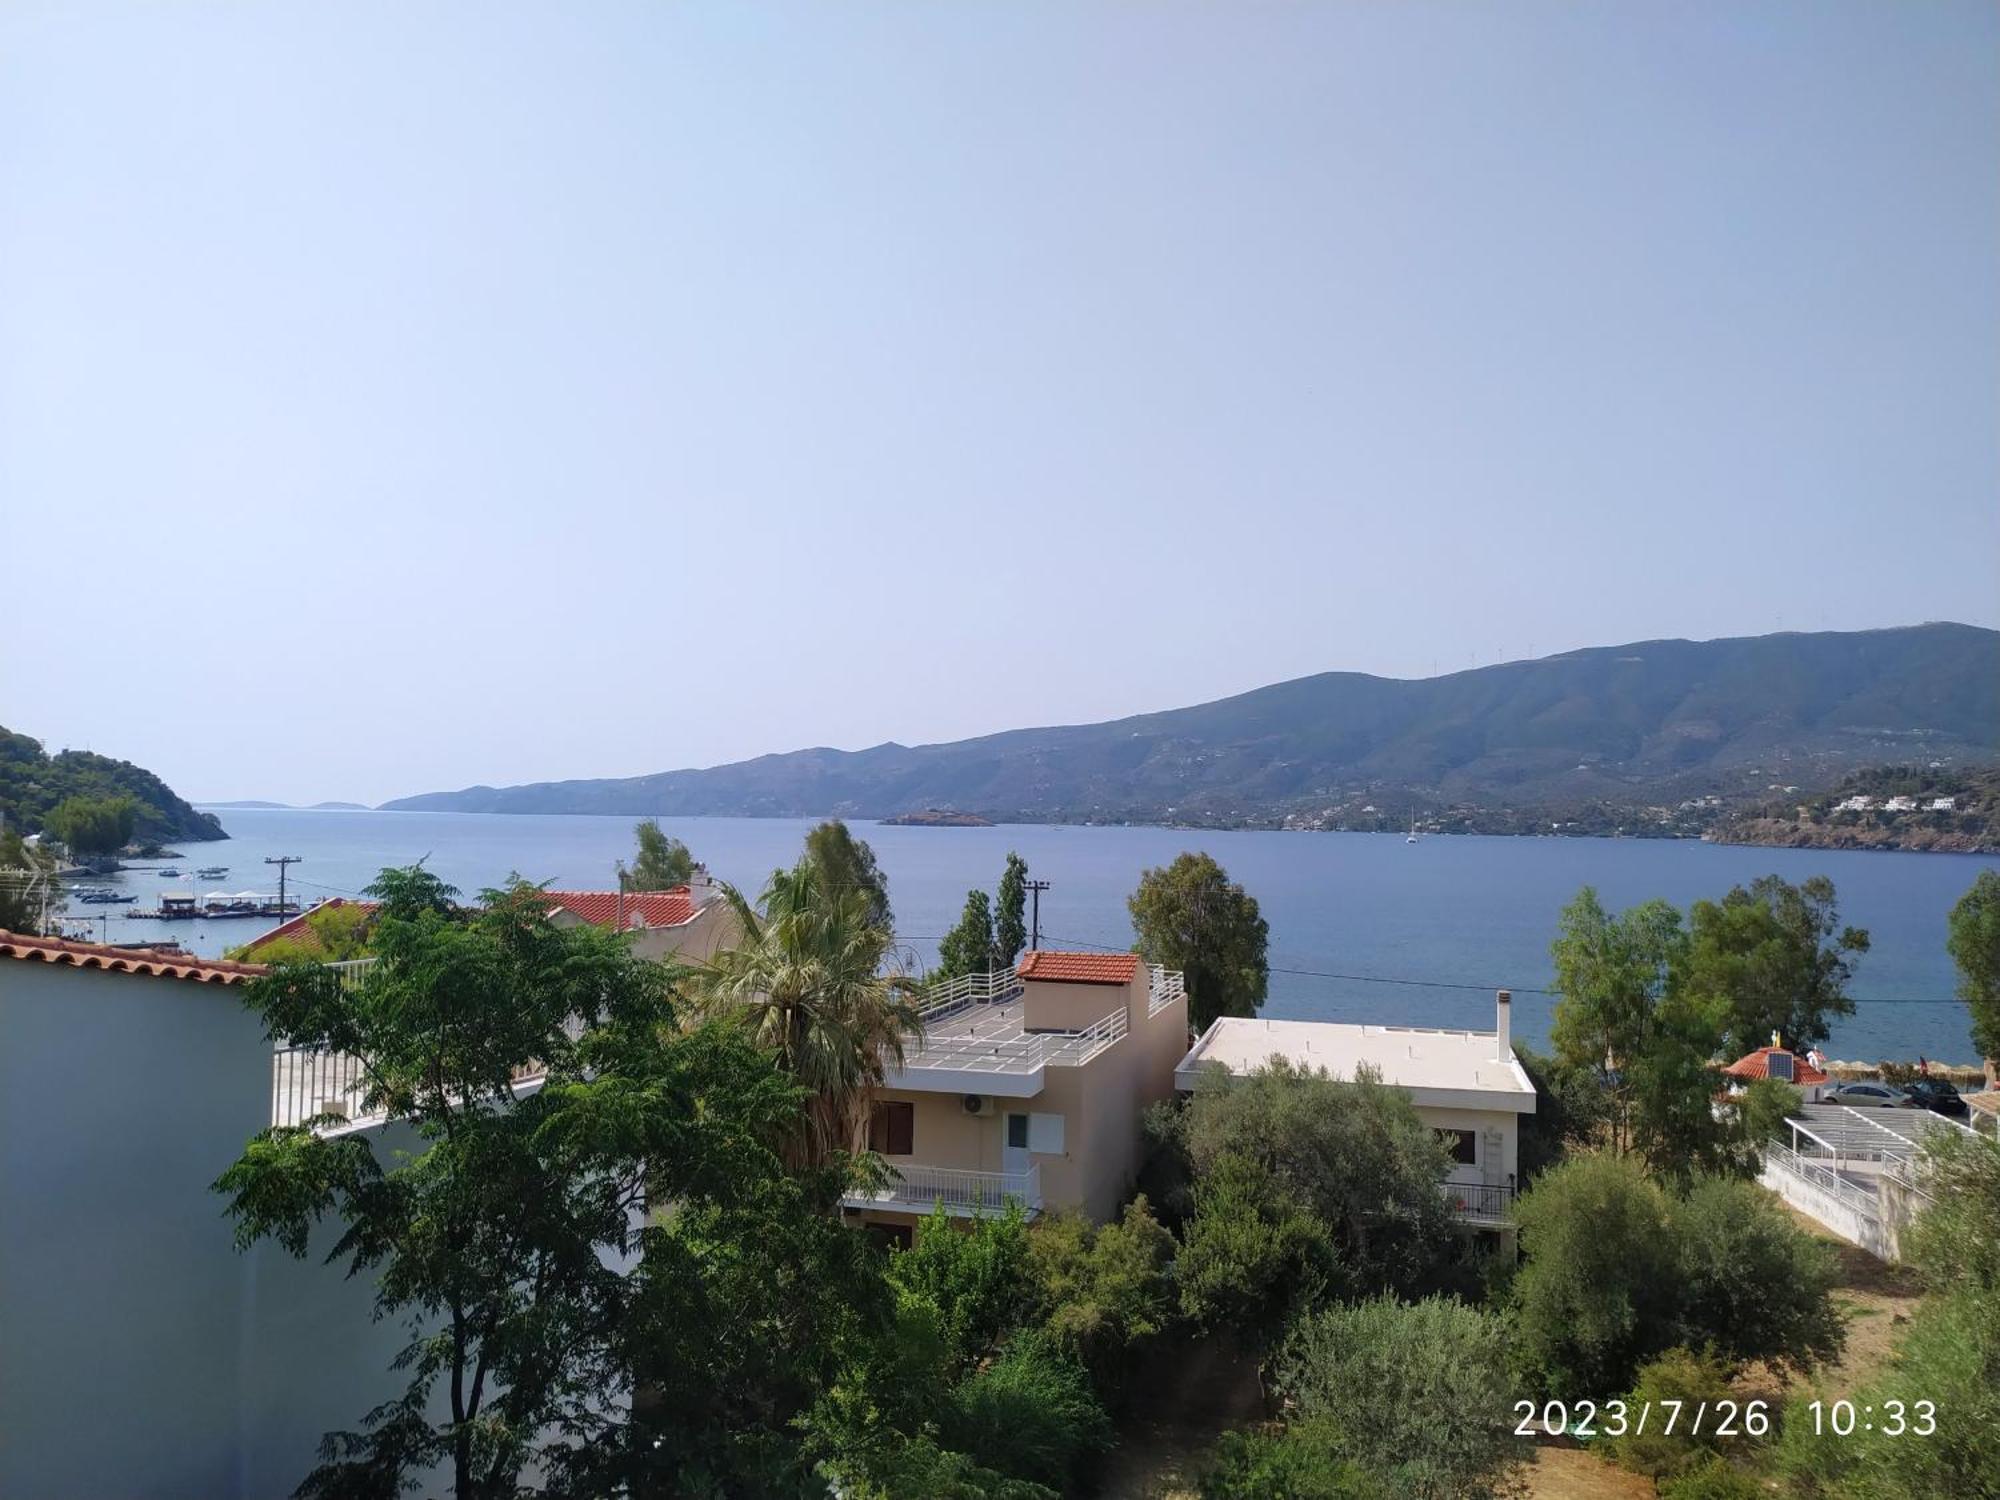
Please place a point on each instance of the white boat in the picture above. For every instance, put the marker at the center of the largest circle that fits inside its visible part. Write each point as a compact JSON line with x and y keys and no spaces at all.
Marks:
{"x":1413,"y":832}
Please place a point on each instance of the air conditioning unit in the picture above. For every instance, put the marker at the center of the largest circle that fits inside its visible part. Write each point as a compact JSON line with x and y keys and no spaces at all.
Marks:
{"x":977,"y":1104}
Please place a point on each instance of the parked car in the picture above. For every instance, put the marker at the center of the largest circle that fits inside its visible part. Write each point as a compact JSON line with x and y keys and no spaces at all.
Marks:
{"x":1937,"y":1096}
{"x":1868,"y":1095}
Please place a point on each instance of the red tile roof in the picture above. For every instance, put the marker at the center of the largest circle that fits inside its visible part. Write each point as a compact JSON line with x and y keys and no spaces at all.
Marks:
{"x":126,"y":960}
{"x":1078,"y":968}
{"x":304,"y":937}
{"x":602,"y":908}
{"x":1758,"y":1065}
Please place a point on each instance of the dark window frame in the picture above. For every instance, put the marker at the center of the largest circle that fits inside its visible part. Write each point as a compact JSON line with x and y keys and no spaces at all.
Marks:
{"x":892,"y":1128}
{"x":1464,"y":1145}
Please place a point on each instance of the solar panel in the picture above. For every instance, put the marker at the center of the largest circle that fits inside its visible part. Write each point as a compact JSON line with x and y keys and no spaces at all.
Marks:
{"x":1779,"y":1065}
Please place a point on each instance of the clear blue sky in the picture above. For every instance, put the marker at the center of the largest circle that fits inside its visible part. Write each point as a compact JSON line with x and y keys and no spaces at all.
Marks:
{"x":396,"y":397}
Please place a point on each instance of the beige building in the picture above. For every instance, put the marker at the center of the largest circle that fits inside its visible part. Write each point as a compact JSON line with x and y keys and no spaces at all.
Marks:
{"x":1467,"y":1085}
{"x":1027,"y":1085}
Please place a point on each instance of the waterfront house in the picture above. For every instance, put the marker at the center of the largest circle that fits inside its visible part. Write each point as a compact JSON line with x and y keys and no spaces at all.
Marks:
{"x":1027,"y":1085}
{"x":1900,"y":805}
{"x":1466,"y":1085}
{"x":1854,"y":804}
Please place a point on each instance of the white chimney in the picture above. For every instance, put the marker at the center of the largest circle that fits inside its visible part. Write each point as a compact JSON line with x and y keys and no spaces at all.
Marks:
{"x":1503,"y":1025}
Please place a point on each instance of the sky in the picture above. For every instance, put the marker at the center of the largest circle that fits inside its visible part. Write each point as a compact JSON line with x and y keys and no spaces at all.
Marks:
{"x":395,"y":398}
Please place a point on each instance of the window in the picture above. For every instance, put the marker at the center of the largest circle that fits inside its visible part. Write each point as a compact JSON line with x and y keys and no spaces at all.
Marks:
{"x":1464,"y":1146}
{"x":1017,"y":1132}
{"x":891,"y":1129}
{"x":1045,"y":1134}
{"x":891,"y":1236}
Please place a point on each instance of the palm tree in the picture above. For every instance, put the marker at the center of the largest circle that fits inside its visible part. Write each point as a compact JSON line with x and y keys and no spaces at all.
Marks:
{"x":810,"y":981}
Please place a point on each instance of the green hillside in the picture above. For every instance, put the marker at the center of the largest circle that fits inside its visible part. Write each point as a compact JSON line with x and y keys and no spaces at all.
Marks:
{"x":1626,"y":726}
{"x":32,"y":782}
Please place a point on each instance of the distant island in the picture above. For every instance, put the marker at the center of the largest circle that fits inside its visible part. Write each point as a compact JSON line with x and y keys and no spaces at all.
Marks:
{"x":1888,"y":807}
{"x":251,"y":805}
{"x":938,"y":817}
{"x":33,"y":783}
{"x":1652,"y":739}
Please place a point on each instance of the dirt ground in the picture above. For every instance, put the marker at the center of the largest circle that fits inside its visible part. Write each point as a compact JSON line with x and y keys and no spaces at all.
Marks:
{"x":1183,"y":1406}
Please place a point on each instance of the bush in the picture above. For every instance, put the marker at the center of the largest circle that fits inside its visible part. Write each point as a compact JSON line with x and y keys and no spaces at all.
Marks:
{"x":1030,"y":1414}
{"x":1302,"y":1462}
{"x":1595,"y":1294}
{"x":1412,"y":1393}
{"x":1354,"y":1156}
{"x":1103,"y":1291}
{"x":1250,"y":1254}
{"x":1678,"y":1375}
{"x":1718,"y":1479}
{"x":1763,"y":1108}
{"x":1752,"y":1284}
{"x":975,"y":1274}
{"x":921,"y":1470}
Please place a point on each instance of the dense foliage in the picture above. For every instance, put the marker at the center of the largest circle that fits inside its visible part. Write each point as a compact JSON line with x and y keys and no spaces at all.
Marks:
{"x":33,"y":783}
{"x":1618,"y":1269}
{"x":846,"y":863}
{"x":1192,"y":917}
{"x":662,"y":863}
{"x":1777,"y":958}
{"x":1974,"y":943}
{"x":968,"y":947}
{"x":1010,"y":917}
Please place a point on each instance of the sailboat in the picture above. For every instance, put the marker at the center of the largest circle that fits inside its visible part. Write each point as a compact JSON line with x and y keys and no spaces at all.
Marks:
{"x":1413,"y":832}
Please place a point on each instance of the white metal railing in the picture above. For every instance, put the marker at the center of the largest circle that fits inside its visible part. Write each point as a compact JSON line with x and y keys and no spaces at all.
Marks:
{"x":948,"y":996}
{"x":1825,"y":1178}
{"x":975,"y":1192}
{"x":1163,"y":988}
{"x":351,"y":971}
{"x":1018,"y":1051}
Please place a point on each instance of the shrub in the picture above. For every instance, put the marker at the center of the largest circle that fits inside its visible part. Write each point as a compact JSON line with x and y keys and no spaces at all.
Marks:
{"x":975,"y":1274}
{"x":1250,"y":1254}
{"x":1302,"y":1462}
{"x":1763,"y":1108}
{"x":1595,"y":1293}
{"x":1105,"y":1290}
{"x":1412,"y":1393}
{"x":1030,"y":1414}
{"x":1354,"y":1156}
{"x":1681,"y":1376}
{"x":1752,"y":1285}
{"x":1718,"y":1479}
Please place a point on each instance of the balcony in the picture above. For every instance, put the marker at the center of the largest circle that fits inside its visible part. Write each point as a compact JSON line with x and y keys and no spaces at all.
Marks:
{"x":917,"y":1190}
{"x":1163,"y":988}
{"x":1485,"y":1205}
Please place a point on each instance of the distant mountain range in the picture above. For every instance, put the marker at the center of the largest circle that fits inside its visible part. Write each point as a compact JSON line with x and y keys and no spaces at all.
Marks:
{"x":253,"y":805}
{"x":1619,"y":726}
{"x":32,"y":782}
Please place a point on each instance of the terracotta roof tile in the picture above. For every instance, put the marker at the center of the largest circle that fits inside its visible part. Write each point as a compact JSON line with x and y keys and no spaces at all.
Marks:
{"x":1078,"y":968}
{"x":1758,"y":1065}
{"x":126,"y":960}
{"x":641,"y":908}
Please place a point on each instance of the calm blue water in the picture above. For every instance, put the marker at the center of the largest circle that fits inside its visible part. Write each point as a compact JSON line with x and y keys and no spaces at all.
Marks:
{"x":1476,"y":911}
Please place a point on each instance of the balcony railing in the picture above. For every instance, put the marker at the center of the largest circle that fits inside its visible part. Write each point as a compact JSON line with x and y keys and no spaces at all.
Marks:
{"x":1481,"y":1202}
{"x":1016,"y":1051}
{"x":950,"y":996}
{"x":918,"y":1189}
{"x":1163,"y":988}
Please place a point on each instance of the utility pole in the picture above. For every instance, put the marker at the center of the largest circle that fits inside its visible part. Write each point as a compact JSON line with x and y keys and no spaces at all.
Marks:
{"x":1035,"y":889}
{"x":283,"y":862}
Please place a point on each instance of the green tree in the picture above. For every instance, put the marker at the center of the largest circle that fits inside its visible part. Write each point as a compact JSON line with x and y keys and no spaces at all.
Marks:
{"x":1778,"y":959}
{"x":1612,"y":975}
{"x":1763,"y":1108}
{"x":1414,"y":1393}
{"x":1594,"y":1295}
{"x":977,"y":1279}
{"x":1030,"y":1414}
{"x":846,"y":863}
{"x":1251,"y":1253}
{"x":1974,"y":944}
{"x":1677,"y":1375}
{"x":335,"y":933}
{"x":968,"y":947}
{"x":1105,"y":1292}
{"x":27,"y":877}
{"x":1010,"y":924}
{"x":1749,"y":1283}
{"x":92,"y":826}
{"x":1353,"y":1155}
{"x":808,"y":981}
{"x":1190,"y":916}
{"x":499,"y":1238}
{"x":1303,"y":1462}
{"x":1569,"y":1110}
{"x":663,"y":862}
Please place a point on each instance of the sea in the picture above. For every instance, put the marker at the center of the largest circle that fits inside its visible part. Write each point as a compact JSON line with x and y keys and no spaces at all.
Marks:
{"x":1363,"y":927}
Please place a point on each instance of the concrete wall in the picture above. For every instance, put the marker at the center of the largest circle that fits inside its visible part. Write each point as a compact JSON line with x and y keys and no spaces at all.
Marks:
{"x":1490,"y":1165}
{"x":1858,"y":1227}
{"x":141,"y":1355}
{"x":1050,"y":1006}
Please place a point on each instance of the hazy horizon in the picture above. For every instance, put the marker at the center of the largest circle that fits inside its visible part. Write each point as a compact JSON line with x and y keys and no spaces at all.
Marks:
{"x":398,"y":400}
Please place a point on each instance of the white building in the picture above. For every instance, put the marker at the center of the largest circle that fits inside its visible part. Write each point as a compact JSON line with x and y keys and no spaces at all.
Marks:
{"x":1855,"y":804}
{"x":1468,"y":1085}
{"x":1900,"y":804}
{"x":1943,"y":804}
